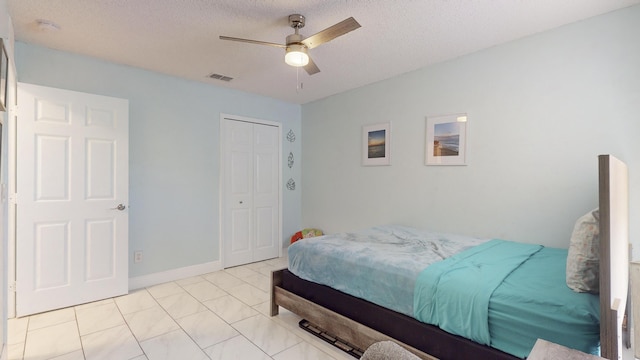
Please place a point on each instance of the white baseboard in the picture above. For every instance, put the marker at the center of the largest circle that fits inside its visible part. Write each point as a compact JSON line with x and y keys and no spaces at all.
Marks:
{"x":143,"y":281}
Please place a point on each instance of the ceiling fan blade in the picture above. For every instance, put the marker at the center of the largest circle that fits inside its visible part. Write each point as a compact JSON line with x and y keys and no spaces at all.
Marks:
{"x":331,"y":33}
{"x":252,"y":41}
{"x":311,"y":68}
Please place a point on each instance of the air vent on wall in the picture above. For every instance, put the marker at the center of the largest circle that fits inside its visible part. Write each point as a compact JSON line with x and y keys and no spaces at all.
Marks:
{"x":221,"y":77}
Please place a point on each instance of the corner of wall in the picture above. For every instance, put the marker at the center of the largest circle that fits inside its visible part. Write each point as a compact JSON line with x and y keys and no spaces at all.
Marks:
{"x":7,"y":34}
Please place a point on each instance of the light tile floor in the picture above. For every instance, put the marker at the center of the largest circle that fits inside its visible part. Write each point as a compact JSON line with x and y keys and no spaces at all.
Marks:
{"x":221,"y":315}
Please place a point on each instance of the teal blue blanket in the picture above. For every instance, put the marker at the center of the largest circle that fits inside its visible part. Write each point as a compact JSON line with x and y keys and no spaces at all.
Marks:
{"x":454,"y":293}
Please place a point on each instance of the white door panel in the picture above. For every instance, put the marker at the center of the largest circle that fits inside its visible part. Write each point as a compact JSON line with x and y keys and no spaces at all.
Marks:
{"x":267,"y":192}
{"x":101,"y":172}
{"x":52,"y":167}
{"x":52,"y":249}
{"x":251,"y":195}
{"x":100,"y":248}
{"x":72,"y":172}
{"x":264,"y":228}
{"x":237,"y":202}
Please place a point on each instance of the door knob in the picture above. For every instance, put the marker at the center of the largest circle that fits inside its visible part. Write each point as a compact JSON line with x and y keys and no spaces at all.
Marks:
{"x":119,"y":207}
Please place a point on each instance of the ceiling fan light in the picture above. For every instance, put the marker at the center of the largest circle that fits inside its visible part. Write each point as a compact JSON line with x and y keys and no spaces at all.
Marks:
{"x":296,"y":55}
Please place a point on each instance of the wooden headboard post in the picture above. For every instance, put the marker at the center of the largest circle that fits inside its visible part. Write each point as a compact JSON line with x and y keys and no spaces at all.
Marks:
{"x":635,"y":295}
{"x":614,"y":253}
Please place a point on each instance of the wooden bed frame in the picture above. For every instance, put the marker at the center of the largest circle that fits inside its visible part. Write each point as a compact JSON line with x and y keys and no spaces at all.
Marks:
{"x":326,"y":308}
{"x":614,"y":253}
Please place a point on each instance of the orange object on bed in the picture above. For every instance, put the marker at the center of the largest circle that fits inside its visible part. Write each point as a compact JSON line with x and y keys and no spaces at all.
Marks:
{"x":306,"y":233}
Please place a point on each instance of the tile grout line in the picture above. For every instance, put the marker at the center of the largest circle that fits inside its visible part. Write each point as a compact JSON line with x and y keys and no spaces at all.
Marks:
{"x":185,"y":331}
{"x":230,"y":324}
{"x":175,"y":320}
{"x":26,"y":334}
{"x":75,"y":316}
{"x":259,"y":314}
{"x":249,"y":340}
{"x":253,"y":273}
{"x":129,"y":327}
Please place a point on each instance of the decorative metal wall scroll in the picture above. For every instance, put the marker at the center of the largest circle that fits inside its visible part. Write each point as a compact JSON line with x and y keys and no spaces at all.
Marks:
{"x":291,"y":184}
{"x":291,"y":137}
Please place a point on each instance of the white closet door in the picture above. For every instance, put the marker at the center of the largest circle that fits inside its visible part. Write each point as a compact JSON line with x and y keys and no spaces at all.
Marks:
{"x":250,"y":191}
{"x":237,"y":213}
{"x":266,"y":192}
{"x":72,"y":222}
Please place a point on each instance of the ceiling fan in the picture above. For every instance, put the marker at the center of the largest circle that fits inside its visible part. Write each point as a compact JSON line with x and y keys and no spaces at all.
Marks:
{"x":297,"y":46}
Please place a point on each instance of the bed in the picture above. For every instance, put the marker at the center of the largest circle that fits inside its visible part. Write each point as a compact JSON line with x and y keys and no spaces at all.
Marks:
{"x":361,"y":320}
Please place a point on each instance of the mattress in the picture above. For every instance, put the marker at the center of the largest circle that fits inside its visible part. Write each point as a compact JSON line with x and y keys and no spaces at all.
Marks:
{"x":545,"y":308}
{"x":424,"y":337}
{"x":382,"y":264}
{"x":379,"y":264}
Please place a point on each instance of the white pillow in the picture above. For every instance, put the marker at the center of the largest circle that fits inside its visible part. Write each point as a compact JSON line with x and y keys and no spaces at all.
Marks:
{"x":583,"y":259}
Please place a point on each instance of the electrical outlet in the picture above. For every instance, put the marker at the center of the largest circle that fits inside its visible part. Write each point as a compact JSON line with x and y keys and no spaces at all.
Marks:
{"x":137,"y":256}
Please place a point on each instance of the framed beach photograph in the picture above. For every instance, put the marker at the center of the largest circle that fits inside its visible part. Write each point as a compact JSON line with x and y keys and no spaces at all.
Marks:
{"x":446,"y":142}
{"x":376,"y":145}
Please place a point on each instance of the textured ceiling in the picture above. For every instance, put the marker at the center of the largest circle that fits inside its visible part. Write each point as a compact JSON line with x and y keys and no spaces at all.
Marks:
{"x":180,"y":38}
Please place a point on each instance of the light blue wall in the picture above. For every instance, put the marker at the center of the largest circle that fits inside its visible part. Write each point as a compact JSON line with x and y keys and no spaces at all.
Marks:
{"x":540,"y":111}
{"x":174,"y":151}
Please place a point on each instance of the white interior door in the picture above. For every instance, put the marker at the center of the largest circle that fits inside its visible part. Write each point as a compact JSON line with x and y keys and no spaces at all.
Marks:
{"x":250,"y":191}
{"x":72,"y":176}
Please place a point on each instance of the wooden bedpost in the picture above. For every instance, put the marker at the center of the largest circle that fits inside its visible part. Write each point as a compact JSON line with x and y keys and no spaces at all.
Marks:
{"x":276,"y":280}
{"x":614,"y":253}
{"x":635,"y":297}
